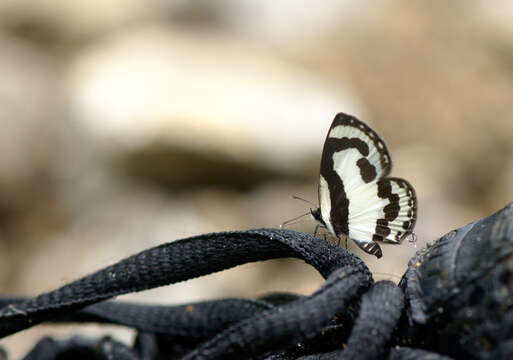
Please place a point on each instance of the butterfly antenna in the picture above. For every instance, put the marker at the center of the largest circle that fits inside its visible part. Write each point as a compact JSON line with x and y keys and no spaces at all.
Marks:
{"x":306,"y":201}
{"x":294,"y":220}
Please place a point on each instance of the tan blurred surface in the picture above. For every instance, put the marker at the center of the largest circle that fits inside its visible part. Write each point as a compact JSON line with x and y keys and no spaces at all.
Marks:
{"x":125,"y":126}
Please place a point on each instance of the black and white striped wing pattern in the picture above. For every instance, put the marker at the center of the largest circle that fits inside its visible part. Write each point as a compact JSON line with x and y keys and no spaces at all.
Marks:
{"x":356,"y":198}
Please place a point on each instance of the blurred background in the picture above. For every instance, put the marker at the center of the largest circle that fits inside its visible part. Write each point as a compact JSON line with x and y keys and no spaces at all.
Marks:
{"x":128,"y":124}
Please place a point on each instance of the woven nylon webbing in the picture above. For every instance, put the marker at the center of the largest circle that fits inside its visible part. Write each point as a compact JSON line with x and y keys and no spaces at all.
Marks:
{"x":348,"y":317}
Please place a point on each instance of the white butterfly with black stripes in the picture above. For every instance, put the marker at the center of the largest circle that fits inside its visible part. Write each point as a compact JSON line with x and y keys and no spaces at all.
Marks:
{"x":356,"y":198}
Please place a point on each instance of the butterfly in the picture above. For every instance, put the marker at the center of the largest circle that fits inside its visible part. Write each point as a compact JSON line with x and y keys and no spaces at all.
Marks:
{"x":357,"y":199}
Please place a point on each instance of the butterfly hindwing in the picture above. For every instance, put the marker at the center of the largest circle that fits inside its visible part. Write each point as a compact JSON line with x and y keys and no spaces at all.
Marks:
{"x":389,"y":217}
{"x":356,"y":198}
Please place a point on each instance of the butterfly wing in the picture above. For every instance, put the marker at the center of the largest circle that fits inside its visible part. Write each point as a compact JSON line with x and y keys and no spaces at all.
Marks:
{"x":356,"y":198}
{"x":389,"y":217}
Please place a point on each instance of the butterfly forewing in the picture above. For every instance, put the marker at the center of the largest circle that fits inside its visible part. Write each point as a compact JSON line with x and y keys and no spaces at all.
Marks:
{"x":354,"y":148}
{"x":355,"y":196}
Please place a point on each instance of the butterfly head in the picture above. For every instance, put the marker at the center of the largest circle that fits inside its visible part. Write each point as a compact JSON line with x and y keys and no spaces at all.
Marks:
{"x":317,"y":215}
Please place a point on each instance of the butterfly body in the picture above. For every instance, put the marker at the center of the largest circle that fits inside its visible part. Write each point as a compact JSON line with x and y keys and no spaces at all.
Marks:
{"x":357,"y":199}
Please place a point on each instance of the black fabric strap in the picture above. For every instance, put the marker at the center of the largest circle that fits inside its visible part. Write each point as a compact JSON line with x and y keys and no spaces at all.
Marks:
{"x":174,"y":262}
{"x":80,"y":348}
{"x":199,"y":320}
{"x":348,"y":317}
{"x":380,"y":311}
{"x":294,"y":322}
{"x":407,"y":353}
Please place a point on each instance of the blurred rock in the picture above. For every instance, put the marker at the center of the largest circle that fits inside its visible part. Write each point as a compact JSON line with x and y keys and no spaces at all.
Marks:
{"x":497,"y":16}
{"x":200,"y":108}
{"x":57,"y":21}
{"x":280,"y":23}
{"x":30,"y":97}
{"x":28,"y":93}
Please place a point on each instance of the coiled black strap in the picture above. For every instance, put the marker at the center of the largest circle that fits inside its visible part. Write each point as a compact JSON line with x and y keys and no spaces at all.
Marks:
{"x":348,"y":308}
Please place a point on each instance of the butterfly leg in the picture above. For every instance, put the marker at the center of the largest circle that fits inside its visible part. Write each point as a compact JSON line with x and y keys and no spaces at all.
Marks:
{"x":317,"y":227}
{"x":316,"y":230}
{"x":342,"y":237}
